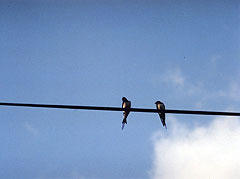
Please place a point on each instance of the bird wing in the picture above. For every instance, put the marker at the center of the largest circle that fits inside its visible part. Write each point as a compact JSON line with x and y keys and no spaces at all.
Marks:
{"x":128,"y":104}
{"x":162,"y":115}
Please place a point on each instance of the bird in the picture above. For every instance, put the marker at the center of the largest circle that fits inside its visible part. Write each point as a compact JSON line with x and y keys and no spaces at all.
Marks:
{"x":126,"y":105}
{"x":160,"y":106}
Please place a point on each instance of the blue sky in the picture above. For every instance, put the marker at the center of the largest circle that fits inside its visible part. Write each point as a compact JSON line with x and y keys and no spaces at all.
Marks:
{"x":93,"y":53}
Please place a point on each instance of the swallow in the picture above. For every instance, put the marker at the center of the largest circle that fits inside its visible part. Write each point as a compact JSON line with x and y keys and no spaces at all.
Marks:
{"x":126,"y":105}
{"x":160,"y":106}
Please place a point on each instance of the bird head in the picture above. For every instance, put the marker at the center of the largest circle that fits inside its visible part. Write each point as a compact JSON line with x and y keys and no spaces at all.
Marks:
{"x":158,"y":102}
{"x":124,"y":99}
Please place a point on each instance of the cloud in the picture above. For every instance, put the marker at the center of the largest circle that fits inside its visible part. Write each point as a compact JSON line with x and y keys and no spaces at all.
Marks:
{"x":200,"y":152}
{"x":234,"y":90}
{"x":175,"y":77}
{"x":215,"y":58}
{"x":30,"y":128}
{"x":177,"y":80}
{"x":76,"y":175}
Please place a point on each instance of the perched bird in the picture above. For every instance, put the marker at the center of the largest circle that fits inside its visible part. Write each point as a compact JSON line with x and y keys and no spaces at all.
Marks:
{"x":160,"y":106}
{"x":125,"y":105}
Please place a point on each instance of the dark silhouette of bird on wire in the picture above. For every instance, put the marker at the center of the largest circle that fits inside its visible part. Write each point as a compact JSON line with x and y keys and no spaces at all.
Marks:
{"x":160,"y":106}
{"x":126,"y":105}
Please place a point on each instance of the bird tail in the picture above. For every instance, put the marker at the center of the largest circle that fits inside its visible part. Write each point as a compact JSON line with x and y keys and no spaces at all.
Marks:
{"x":124,"y":122}
{"x":164,"y":124}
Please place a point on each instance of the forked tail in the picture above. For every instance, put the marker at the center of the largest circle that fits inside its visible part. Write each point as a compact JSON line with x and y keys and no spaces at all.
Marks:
{"x":124,"y":122}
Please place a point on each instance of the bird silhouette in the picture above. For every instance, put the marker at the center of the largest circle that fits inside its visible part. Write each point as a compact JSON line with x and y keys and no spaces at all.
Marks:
{"x":126,"y":105}
{"x":160,"y":106}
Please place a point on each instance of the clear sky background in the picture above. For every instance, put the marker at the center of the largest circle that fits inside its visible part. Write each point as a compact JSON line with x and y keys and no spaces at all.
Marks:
{"x":184,"y":53}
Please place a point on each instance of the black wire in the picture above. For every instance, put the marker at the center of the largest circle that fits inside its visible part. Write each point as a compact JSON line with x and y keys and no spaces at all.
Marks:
{"x":121,"y":109}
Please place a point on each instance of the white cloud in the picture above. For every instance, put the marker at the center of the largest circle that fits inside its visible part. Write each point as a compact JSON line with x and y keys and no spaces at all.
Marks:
{"x":234,"y":90}
{"x":201,"y":152}
{"x":215,"y":58}
{"x":76,"y":175}
{"x":175,"y":77}
{"x":30,"y":128}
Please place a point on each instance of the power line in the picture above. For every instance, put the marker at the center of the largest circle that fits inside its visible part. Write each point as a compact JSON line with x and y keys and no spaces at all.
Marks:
{"x":173,"y":111}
